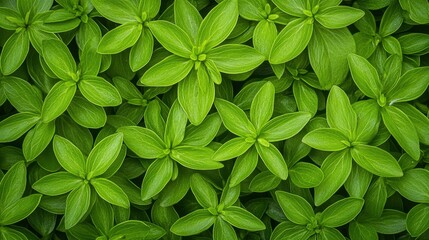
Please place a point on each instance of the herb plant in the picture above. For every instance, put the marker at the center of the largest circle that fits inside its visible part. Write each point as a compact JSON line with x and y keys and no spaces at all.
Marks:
{"x":214,"y":119}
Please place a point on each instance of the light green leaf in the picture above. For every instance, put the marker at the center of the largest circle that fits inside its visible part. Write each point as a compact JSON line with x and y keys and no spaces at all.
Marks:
{"x":284,"y":126}
{"x":99,"y":91}
{"x":376,"y":161}
{"x":17,"y":125}
{"x":120,"y":38}
{"x":294,"y":7}
{"x":103,"y":155}
{"x":20,"y":209}
{"x":264,"y":36}
{"x":402,"y":129}
{"x":187,"y":17}
{"x":262,"y":106}
{"x":295,"y":207}
{"x":291,"y":41}
{"x":37,"y":139}
{"x":58,"y":100}
{"x":143,"y":142}
{"x":14,"y":52}
{"x":336,"y":168}
{"x":234,"y":118}
{"x":409,"y":86}
{"x":306,"y":175}
{"x":172,"y":37}
{"x":110,"y":192}
{"x":203,"y":191}
{"x":273,"y":159}
{"x":235,"y":58}
{"x":167,"y":72}
{"x":22,"y":95}
{"x":338,"y":16}
{"x":326,"y":139}
{"x":418,"y":220}
{"x":175,"y":125}
{"x":231,"y":149}
{"x":77,"y":204}
{"x":59,"y":59}
{"x":341,"y":212}
{"x":339,"y":112}
{"x":193,"y":223}
{"x":244,"y":165}
{"x":223,"y":230}
{"x":410,"y":187}
{"x":57,"y":183}
{"x":141,"y":51}
{"x":193,"y":157}
{"x":69,"y":156}
{"x":243,"y":219}
{"x":157,"y":176}
{"x":218,"y":24}
{"x":16,"y":177}
{"x":119,"y":11}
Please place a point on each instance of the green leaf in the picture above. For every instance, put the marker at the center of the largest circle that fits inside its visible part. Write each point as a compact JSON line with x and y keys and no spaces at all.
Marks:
{"x":20,"y":209}
{"x":130,"y":229}
{"x":193,"y":223}
{"x":120,"y":38}
{"x":77,"y":204}
{"x":235,"y":58}
{"x":223,"y":230}
{"x":218,"y":24}
{"x":204,"y":133}
{"x":264,"y":36}
{"x":341,"y":212}
{"x":290,"y":231}
{"x":262,"y":106}
{"x":418,"y":220}
{"x":172,"y":37}
{"x":14,"y":52}
{"x":175,"y":126}
{"x":263,"y":182}
{"x":8,"y":13}
{"x":339,"y":112}
{"x":336,"y":169}
{"x":17,"y":125}
{"x":291,"y":41}
{"x":244,"y":165}
{"x":376,"y":161}
{"x":193,"y":157}
{"x":273,"y":160}
{"x":110,"y":192}
{"x":391,"y":222}
{"x":121,"y":11}
{"x":22,"y":95}
{"x":330,"y":234}
{"x":368,"y":115}
{"x":143,"y":142}
{"x":358,"y":182}
{"x":365,"y":76}
{"x":306,"y":175}
{"x":99,"y":91}
{"x":410,"y":187}
{"x":187,"y":17}
{"x":295,"y":7}
{"x":57,"y":183}
{"x":167,"y":72}
{"x":414,"y":43}
{"x":156,"y":178}
{"x":59,"y":59}
{"x":376,"y":198}
{"x":69,"y":156}
{"x":402,"y":129}
{"x":420,"y":121}
{"x":37,"y":139}
{"x":86,"y":114}
{"x":295,"y":207}
{"x":196,"y":98}
{"x":13,"y":183}
{"x":243,"y":219}
{"x":284,"y":126}
{"x":103,"y":155}
{"x":231,"y":149}
{"x":234,"y":118}
{"x":141,"y":51}
{"x":203,"y":191}
{"x":305,"y":97}
{"x":358,"y":231}
{"x":153,"y":118}
{"x":58,"y":100}
{"x":338,"y":16}
{"x":251,"y":9}
{"x":410,"y":86}
{"x":326,"y":139}
{"x":328,"y":50}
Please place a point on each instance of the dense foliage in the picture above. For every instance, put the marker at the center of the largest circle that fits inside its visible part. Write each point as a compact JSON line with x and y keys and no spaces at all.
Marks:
{"x":199,"y":119}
